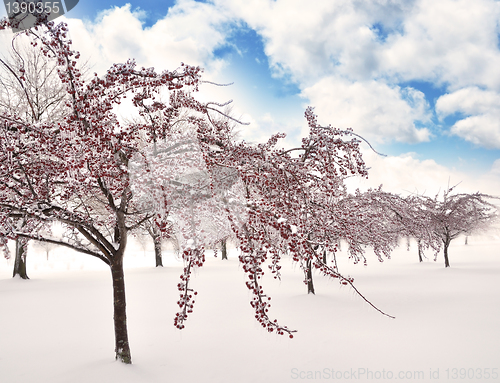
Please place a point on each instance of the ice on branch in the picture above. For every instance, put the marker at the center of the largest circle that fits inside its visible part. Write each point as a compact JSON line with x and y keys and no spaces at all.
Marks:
{"x":171,"y":177}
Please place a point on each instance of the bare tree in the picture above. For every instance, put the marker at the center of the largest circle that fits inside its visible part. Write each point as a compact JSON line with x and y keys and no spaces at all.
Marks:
{"x":30,"y":85}
{"x":45,"y":246}
{"x":458,"y":214}
{"x":30,"y":89}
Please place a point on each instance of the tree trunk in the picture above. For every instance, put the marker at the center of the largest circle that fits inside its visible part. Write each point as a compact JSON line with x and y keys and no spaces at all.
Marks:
{"x":20,"y":260}
{"x":224,"y":249}
{"x":446,"y":260}
{"x":155,"y":234}
{"x":466,"y":237}
{"x":420,"y":252}
{"x":309,"y":277}
{"x":122,"y":347}
{"x":158,"y":255}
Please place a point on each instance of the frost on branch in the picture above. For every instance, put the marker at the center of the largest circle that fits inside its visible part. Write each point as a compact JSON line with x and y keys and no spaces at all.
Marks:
{"x":180,"y":165}
{"x":75,"y":170}
{"x":4,"y":236}
{"x":457,"y":214}
{"x":192,"y":258}
{"x":297,"y":201}
{"x":170,"y":177}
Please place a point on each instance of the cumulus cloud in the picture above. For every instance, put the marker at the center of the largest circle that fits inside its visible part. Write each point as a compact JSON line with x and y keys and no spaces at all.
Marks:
{"x":188,"y":33}
{"x":311,"y":40}
{"x":452,"y":42}
{"x":483,"y":130}
{"x":406,"y":174}
{"x":373,"y":109}
{"x":403,"y":174}
{"x":349,"y":58}
{"x":481,"y":115}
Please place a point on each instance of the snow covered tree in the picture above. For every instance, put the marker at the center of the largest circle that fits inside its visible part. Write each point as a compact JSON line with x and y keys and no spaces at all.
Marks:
{"x":382,"y":219}
{"x":417,"y":223}
{"x":37,"y":97}
{"x":292,"y":196}
{"x":46,"y":247}
{"x":149,"y":232}
{"x":458,"y":214}
{"x":102,"y":178}
{"x":75,"y":170}
{"x":373,"y":218}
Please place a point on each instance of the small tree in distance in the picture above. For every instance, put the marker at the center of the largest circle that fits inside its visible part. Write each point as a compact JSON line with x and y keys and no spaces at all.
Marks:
{"x":458,"y":214}
{"x":30,"y":89}
{"x":419,"y":225}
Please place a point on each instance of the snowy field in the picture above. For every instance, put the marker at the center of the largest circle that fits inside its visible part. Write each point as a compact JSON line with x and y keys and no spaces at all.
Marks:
{"x":57,"y":327}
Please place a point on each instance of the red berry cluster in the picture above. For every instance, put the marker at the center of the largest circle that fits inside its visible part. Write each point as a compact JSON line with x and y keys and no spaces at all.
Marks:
{"x":193,"y":258}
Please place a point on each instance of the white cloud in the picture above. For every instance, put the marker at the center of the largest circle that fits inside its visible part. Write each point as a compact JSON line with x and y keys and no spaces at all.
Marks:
{"x":407,"y":174}
{"x":470,"y":100}
{"x":481,"y":111}
{"x":483,"y":130}
{"x":373,"y":109}
{"x":453,"y":42}
{"x":311,"y":40}
{"x":348,"y":57}
{"x":189,"y":33}
{"x":404,"y":174}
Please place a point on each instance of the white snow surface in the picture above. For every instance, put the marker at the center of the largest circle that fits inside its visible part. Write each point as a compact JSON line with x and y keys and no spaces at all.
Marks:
{"x":58,"y":326}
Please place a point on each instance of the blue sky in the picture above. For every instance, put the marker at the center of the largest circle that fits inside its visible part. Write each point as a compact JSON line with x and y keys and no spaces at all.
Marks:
{"x":419,"y":79}
{"x":155,"y":10}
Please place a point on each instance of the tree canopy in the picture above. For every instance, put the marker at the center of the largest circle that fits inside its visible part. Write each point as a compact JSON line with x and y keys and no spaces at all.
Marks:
{"x":89,"y":172}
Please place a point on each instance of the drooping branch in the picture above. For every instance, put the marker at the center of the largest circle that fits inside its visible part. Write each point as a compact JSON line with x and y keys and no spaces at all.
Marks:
{"x":63,"y":243}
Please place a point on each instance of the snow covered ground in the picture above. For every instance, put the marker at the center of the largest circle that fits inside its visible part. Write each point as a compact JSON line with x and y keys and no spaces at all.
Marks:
{"x":57,"y":327}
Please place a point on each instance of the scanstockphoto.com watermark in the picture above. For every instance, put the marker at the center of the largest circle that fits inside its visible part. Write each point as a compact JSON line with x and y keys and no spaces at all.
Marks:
{"x":23,"y":13}
{"x":448,"y":374}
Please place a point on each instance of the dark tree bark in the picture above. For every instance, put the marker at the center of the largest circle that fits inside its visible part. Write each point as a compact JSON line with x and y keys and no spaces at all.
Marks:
{"x":224,"y":249}
{"x":122,"y":347}
{"x":466,"y":238}
{"x":309,"y":277}
{"x":20,"y":259}
{"x":158,"y":255}
{"x":420,"y":251}
{"x":446,"y":242}
{"x":156,"y":235}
